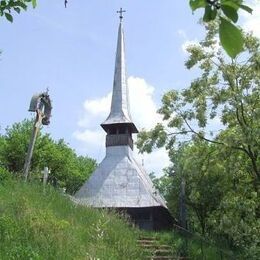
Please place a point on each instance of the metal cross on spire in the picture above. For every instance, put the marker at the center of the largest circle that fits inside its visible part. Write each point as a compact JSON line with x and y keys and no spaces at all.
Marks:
{"x":121,"y":11}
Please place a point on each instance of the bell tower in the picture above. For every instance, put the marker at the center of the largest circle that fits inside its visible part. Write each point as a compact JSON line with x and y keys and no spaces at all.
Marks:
{"x":119,"y":125}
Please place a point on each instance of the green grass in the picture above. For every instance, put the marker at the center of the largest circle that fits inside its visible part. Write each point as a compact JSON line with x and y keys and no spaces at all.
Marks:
{"x":47,"y":225}
{"x":194,"y":247}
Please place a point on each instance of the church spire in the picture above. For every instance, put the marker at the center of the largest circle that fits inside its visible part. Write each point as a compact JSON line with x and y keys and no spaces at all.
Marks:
{"x":120,"y":112}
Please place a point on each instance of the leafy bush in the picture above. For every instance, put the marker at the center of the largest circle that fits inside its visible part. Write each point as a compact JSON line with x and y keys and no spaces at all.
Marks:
{"x":4,"y":174}
{"x":68,"y":170}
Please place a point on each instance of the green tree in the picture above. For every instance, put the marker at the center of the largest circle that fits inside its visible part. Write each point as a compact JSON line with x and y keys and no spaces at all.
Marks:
{"x":14,"y":146}
{"x":198,"y":164}
{"x":221,"y":169}
{"x":7,"y":7}
{"x":67,"y":169}
{"x":163,"y":183}
{"x":220,"y":197}
{"x":227,"y":91}
{"x":204,"y":179}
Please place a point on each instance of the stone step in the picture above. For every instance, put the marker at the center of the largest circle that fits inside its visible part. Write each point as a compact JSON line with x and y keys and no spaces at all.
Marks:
{"x":161,"y":252}
{"x":166,"y":257}
{"x":152,"y":246}
{"x":158,"y":251}
{"x":161,"y":257}
{"x":154,"y":249}
{"x":155,"y":244}
{"x":147,"y":238}
{"x":148,"y":241}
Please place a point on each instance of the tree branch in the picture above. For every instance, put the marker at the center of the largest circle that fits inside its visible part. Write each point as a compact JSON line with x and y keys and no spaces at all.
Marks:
{"x":212,"y":141}
{"x":178,"y":133}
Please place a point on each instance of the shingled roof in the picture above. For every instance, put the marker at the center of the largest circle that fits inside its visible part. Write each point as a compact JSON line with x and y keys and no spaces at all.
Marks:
{"x":119,"y":182}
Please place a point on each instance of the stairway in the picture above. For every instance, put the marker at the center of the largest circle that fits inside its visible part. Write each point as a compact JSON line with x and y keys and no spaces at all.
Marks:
{"x":154,"y":250}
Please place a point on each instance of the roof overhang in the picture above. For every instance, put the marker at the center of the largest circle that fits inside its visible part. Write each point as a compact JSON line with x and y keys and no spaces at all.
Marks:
{"x":132,"y":126}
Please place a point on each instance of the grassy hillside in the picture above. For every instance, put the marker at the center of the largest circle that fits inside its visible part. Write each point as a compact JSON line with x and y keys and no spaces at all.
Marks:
{"x":37,"y":224}
{"x":46,"y":225}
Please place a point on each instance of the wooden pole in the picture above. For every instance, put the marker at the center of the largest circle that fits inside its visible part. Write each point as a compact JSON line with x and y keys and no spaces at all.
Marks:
{"x":183,"y":219}
{"x":36,"y":127}
{"x":183,"y":216}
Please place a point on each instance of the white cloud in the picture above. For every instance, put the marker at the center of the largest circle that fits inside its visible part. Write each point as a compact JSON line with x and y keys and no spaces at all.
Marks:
{"x":98,"y":107}
{"x":95,"y":110}
{"x":92,"y":137}
{"x":143,"y":108}
{"x":252,"y":21}
{"x":143,"y":111}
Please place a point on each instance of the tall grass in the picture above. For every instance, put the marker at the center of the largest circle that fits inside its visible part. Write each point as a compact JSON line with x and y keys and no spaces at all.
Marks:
{"x":47,"y":225}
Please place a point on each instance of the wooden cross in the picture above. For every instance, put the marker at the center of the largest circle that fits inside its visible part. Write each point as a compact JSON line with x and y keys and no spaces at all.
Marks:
{"x":121,"y":11}
{"x":45,"y":173}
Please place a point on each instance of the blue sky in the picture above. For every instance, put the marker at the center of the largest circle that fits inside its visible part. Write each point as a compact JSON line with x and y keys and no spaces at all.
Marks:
{"x":72,"y":51}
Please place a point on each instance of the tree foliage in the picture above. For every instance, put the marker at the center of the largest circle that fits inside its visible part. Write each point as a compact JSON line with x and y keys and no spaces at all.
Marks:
{"x":221,"y":166}
{"x":67,"y":169}
{"x":221,"y":201}
{"x":7,"y":7}
{"x":225,"y":91}
{"x":226,"y":11}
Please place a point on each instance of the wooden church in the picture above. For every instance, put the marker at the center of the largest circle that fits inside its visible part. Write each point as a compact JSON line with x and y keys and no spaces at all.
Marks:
{"x":119,"y":182}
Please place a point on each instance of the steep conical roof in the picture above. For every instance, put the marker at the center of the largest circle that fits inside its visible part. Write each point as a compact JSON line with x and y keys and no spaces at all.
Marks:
{"x":119,"y":182}
{"x":120,"y":112}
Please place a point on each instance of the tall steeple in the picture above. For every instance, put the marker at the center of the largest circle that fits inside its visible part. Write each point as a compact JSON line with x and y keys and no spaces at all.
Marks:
{"x":119,"y":182}
{"x":120,"y":116}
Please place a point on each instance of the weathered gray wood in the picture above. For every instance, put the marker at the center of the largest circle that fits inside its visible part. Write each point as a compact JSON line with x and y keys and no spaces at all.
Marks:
{"x":121,"y":139}
{"x":41,"y":104}
{"x":36,"y":127}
